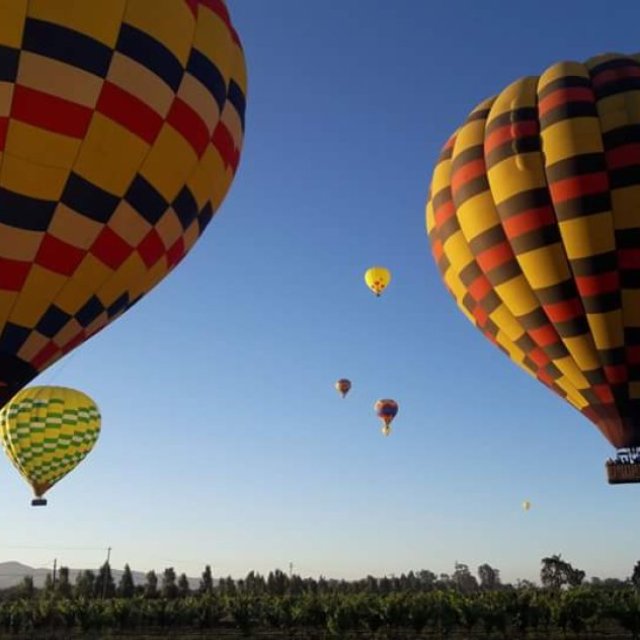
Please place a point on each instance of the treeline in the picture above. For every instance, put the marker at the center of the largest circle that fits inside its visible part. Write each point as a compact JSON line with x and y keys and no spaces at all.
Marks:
{"x":412,"y":604}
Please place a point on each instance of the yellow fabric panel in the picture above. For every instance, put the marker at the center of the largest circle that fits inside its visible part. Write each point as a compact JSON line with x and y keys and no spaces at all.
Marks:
{"x":588,"y":235}
{"x":211,"y":39}
{"x":42,"y":147}
{"x":571,"y":137}
{"x":220,"y":186}
{"x":129,"y":225}
{"x":68,"y":332}
{"x":199,"y":98}
{"x":545,"y":267}
{"x":99,"y":20}
{"x":7,"y":300}
{"x":154,"y":275}
{"x":36,"y":180}
{"x":59,"y":79}
{"x":13,"y":14}
{"x":626,"y":204}
{"x":506,"y":321}
{"x":191,"y":234}
{"x":130,"y":271}
{"x":200,"y":183}
{"x":581,"y":348}
{"x":19,"y":244}
{"x":169,"y":22}
{"x":515,"y":175}
{"x":517,"y":295}
{"x":73,"y":228}
{"x":631,"y":306}
{"x":33,"y":345}
{"x":477,"y":215}
{"x":169,"y":228}
{"x":36,"y":295}
{"x":570,"y":369}
{"x":457,"y":250}
{"x":6,"y":94}
{"x":634,"y":390}
{"x":607,"y":329}
{"x":169,"y":163}
{"x":110,"y":155}
{"x":140,"y":82}
{"x":78,"y":289}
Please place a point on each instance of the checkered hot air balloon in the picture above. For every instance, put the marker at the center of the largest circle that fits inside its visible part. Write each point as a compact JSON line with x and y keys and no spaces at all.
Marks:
{"x":534,"y":221}
{"x":46,"y":432}
{"x":121,"y":125}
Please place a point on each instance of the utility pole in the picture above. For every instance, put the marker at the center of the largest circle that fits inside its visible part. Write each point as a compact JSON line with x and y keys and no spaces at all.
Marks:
{"x":290,"y":570}
{"x":55,"y":565}
{"x":103,"y":575}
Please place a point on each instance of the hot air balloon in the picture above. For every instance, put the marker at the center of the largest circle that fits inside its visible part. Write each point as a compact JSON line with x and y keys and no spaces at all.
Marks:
{"x":526,"y":505}
{"x":46,"y":432}
{"x":377,"y":279}
{"x":343,"y":386}
{"x":386,"y":410}
{"x":533,"y":220}
{"x":120,"y":133}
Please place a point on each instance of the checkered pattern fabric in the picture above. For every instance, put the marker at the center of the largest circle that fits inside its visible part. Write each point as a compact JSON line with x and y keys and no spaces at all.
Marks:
{"x":121,"y":125}
{"x":47,"y":431}
{"x":533,"y":220}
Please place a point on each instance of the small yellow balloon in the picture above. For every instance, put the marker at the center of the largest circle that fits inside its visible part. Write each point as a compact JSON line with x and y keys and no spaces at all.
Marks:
{"x":377,"y":279}
{"x":46,"y":431}
{"x":526,"y":505}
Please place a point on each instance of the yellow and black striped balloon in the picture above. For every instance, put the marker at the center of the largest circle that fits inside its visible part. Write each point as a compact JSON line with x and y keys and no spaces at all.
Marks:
{"x":47,"y":431}
{"x":534,"y":221}
{"x":121,"y":126}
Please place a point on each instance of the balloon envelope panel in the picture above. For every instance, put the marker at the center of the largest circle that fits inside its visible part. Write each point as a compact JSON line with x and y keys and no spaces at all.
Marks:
{"x":533,"y":220}
{"x":121,"y":125}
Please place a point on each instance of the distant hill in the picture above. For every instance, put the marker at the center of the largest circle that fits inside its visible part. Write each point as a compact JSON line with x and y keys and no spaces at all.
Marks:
{"x":12,"y":573}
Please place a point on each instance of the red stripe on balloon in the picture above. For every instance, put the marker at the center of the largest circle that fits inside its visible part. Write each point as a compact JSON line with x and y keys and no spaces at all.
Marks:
{"x":529,"y":221}
{"x":564,"y":311}
{"x":624,"y":156}
{"x":4,"y":126}
{"x":190,"y":125}
{"x":598,"y":284}
{"x":563,"y":96}
{"x":130,"y":112}
{"x":50,"y":112}
{"x":578,"y":186}
{"x":13,"y":274}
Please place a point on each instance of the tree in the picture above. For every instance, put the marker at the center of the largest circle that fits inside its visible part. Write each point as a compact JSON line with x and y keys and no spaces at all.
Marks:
{"x":85,"y":582}
{"x":104,"y":586}
{"x":48,"y":583}
{"x":556,"y":573}
{"x":184,"y":589}
{"x":489,"y":577}
{"x":27,"y":590}
{"x":169,"y":587}
{"x":463,"y":580}
{"x":206,"y":582}
{"x":126,"y":587}
{"x":151,"y":586}
{"x":635,"y":576}
{"x":63,"y":586}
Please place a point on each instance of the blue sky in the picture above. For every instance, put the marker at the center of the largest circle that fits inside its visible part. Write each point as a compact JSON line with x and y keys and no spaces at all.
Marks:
{"x":223,"y":440}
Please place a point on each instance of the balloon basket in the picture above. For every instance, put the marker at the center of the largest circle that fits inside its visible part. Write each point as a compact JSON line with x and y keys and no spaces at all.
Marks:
{"x":623,"y":472}
{"x":39,"y":502}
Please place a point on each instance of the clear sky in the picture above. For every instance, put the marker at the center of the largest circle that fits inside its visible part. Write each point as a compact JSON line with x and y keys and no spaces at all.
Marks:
{"x":223,"y":439}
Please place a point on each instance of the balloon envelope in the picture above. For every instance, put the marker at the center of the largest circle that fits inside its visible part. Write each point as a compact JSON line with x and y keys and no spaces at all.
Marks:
{"x":120,"y":134}
{"x":343,"y":386}
{"x":526,"y":505}
{"x":533,"y":219}
{"x":386,"y":410}
{"x":47,"y":431}
{"x":377,"y":279}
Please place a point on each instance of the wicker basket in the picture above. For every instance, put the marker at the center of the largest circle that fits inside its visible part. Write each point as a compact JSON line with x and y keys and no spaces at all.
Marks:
{"x":623,"y":473}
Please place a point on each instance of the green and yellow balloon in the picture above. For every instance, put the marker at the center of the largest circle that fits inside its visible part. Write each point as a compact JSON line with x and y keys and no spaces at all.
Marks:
{"x":46,"y":432}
